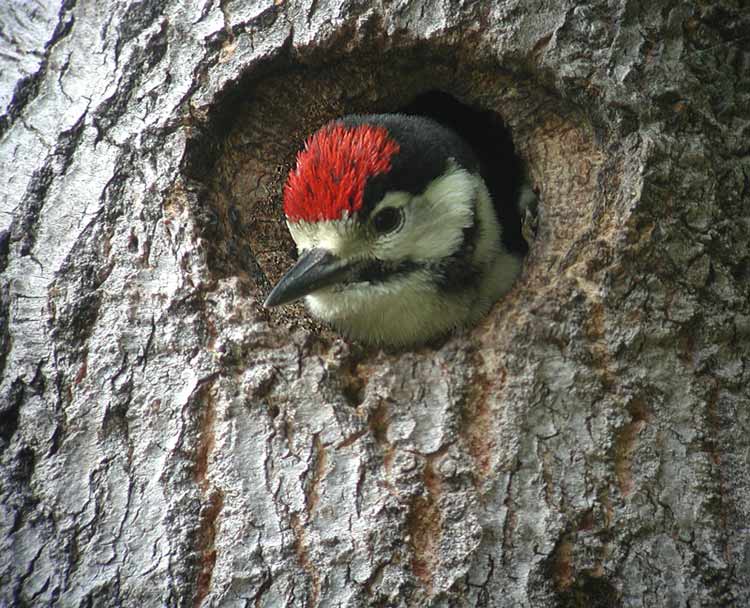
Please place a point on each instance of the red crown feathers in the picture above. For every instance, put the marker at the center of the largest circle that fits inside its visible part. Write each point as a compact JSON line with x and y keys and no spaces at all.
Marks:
{"x":331,"y":172}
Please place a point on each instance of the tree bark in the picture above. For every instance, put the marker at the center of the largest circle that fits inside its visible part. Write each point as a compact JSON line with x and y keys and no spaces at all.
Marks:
{"x":166,"y":442}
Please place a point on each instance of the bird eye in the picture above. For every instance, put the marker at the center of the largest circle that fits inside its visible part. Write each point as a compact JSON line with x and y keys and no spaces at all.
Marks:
{"x":387,"y":220}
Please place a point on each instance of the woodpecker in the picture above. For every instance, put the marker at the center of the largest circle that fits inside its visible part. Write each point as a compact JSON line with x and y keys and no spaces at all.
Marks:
{"x":397,"y":235}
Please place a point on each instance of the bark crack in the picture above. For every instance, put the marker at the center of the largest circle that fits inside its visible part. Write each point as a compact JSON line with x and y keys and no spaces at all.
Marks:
{"x":424,"y":523}
{"x":303,"y":557}
{"x":213,"y":498}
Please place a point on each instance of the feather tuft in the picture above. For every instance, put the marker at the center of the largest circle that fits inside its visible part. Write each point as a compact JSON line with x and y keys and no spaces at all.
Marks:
{"x":328,"y":181}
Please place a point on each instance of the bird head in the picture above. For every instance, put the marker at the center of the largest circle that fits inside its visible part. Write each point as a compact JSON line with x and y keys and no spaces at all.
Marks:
{"x":384,"y":212}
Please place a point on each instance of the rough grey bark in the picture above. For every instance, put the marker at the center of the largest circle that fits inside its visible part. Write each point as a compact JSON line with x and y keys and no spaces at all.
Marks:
{"x":165,"y":442}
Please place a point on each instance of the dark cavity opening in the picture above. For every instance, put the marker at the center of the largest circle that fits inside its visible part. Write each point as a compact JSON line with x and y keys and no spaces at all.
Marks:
{"x":501,"y":168}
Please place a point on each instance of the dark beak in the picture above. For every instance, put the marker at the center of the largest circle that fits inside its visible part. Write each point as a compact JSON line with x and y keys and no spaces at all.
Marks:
{"x":315,"y":269}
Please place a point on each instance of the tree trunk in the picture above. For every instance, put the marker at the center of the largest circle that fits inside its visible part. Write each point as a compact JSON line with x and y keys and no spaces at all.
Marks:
{"x":165,"y":441}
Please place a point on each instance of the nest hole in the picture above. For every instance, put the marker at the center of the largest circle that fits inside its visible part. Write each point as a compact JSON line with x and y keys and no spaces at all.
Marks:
{"x":239,"y":160}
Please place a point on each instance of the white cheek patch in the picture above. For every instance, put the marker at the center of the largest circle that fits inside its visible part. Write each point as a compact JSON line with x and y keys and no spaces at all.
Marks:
{"x":435,"y":221}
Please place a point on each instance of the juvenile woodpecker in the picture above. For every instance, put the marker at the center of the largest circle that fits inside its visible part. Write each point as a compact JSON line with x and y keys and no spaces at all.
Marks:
{"x":397,"y":235}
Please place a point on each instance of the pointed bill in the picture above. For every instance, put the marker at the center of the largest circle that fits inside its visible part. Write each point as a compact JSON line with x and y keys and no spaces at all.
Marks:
{"x":315,"y":269}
